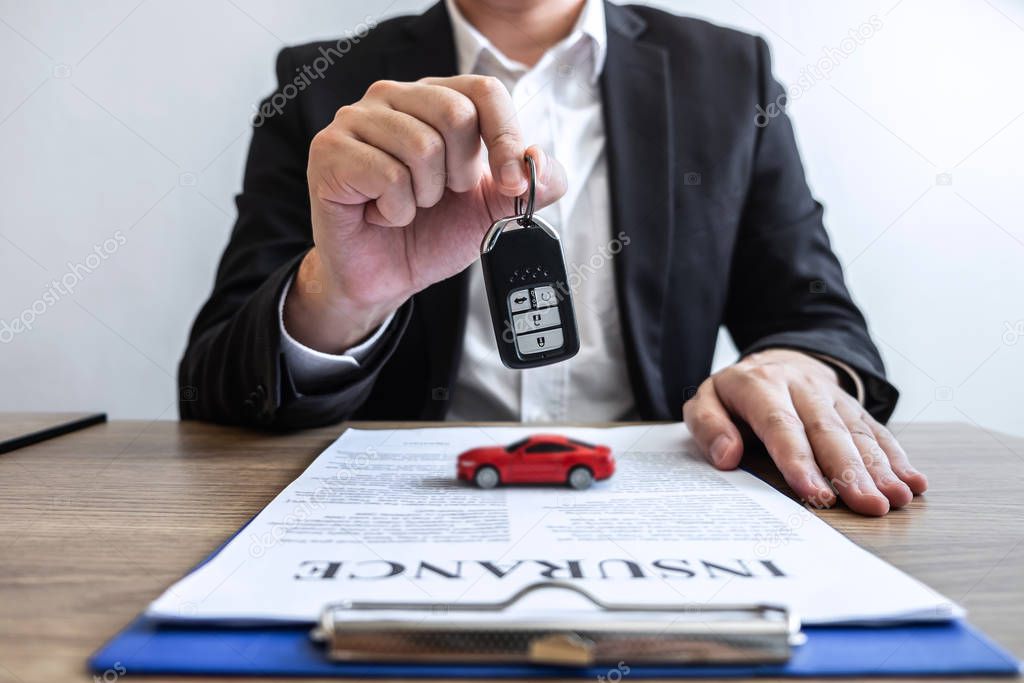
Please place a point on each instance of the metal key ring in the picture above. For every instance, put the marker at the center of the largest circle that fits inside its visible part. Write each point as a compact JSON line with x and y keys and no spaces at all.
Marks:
{"x":531,"y":193}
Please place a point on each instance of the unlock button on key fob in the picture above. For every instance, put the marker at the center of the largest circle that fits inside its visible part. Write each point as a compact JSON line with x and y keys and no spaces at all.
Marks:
{"x":535,"y":320}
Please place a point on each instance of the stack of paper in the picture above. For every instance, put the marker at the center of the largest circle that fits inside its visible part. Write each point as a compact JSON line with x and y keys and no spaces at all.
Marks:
{"x":379,"y":516}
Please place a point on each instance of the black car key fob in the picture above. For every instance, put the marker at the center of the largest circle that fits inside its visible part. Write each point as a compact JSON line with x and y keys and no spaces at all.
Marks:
{"x":527,"y":289}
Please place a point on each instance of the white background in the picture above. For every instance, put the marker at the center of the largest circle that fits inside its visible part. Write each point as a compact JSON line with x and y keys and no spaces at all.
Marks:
{"x":132,"y":118}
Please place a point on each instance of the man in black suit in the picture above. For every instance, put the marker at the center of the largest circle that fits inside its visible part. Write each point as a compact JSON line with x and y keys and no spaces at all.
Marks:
{"x":348,"y":288}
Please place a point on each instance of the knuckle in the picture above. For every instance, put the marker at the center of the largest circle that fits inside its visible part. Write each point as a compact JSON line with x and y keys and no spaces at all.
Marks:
{"x":765,"y":372}
{"x":744,"y":380}
{"x":322,"y":143}
{"x":457,"y":112}
{"x":781,"y":420}
{"x":704,"y":415}
{"x":382,"y":88}
{"x":757,"y":358}
{"x":487,"y":86}
{"x":688,"y":409}
{"x":816,"y":382}
{"x":318,"y":142}
{"x":425,"y":145}
{"x":345,"y":113}
{"x":394,"y":174}
{"x":824,"y":425}
{"x":874,"y":457}
{"x":699,"y":400}
{"x":862,"y":432}
{"x":882,"y":433}
{"x":506,"y":136}
{"x":728,"y":373}
{"x":707,"y":386}
{"x":860,"y":424}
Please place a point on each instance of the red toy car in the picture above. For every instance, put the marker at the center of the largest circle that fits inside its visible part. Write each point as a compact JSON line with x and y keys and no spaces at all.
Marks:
{"x":539,"y":459}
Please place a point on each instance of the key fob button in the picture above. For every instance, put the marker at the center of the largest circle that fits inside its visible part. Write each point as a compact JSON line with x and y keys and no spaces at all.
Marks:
{"x":519,"y":300}
{"x":536,"y":342}
{"x":531,"y":307}
{"x":536,"y":320}
{"x":545,"y":296}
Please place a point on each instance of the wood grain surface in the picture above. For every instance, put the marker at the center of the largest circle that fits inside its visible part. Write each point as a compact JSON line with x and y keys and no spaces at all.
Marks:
{"x":96,"y":524}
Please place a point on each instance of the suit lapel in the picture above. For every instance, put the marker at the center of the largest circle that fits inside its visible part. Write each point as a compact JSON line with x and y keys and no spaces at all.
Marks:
{"x":429,"y":48}
{"x":440,"y":310}
{"x":638,"y":117}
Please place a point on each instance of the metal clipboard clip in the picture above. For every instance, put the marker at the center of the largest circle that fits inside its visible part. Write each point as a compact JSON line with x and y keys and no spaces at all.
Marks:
{"x":635,"y":633}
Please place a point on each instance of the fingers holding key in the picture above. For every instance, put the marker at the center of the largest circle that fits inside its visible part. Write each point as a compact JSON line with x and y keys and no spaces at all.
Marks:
{"x":498,"y":127}
{"x":467,"y":113}
{"x":551,"y":180}
{"x":370,"y":177}
{"x":409,"y":141}
{"x":451,"y":115}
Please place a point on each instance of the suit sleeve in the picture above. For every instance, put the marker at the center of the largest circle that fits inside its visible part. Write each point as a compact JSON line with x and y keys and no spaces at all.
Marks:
{"x":233,"y":370}
{"x":787,"y":287}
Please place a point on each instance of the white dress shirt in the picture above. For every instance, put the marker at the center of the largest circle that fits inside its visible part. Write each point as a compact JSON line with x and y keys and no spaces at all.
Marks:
{"x":558,"y":104}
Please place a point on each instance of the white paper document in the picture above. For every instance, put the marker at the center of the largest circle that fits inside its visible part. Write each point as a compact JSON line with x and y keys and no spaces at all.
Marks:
{"x":380,"y":516}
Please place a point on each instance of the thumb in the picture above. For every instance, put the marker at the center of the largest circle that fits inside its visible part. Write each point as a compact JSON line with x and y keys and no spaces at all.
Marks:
{"x":551,"y":180}
{"x":713,"y":429}
{"x":550,"y":186}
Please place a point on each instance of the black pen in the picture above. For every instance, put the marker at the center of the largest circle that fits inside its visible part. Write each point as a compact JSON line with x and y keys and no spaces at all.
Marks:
{"x":51,"y":432}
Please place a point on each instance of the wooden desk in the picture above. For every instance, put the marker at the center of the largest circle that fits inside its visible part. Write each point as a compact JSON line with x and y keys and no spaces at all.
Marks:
{"x":94,"y":525}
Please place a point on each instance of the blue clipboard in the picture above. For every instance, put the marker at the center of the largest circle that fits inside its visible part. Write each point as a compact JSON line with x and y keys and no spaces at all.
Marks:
{"x":147,"y":646}
{"x":951,"y":648}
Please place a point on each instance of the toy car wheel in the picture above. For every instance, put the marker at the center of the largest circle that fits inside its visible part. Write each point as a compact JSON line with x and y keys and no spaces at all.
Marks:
{"x":486,"y":477}
{"x":581,"y":478}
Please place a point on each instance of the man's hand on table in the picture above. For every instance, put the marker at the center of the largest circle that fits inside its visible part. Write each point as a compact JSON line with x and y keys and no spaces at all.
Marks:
{"x":820,"y":437}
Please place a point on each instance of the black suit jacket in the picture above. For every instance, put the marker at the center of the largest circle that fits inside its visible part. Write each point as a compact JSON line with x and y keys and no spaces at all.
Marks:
{"x":723,"y":231}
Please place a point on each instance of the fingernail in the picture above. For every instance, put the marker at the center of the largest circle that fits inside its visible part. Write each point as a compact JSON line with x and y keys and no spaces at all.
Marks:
{"x":511,"y":175}
{"x":827,"y":496}
{"x":882,"y":502}
{"x":719,"y":447}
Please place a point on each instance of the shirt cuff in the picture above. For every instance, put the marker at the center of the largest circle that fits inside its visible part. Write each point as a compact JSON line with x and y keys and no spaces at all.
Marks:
{"x":855,"y":379}
{"x":311,"y":370}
